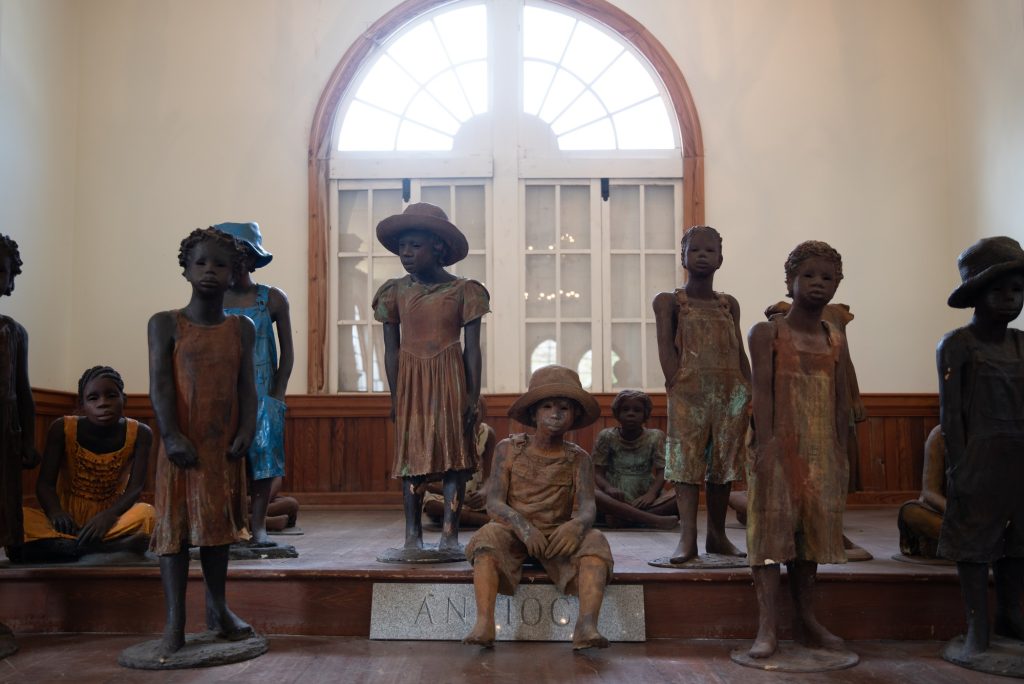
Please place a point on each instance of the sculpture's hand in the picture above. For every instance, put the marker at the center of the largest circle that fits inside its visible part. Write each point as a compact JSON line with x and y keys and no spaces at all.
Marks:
{"x":63,"y":523}
{"x":469,"y":418}
{"x":93,"y":531}
{"x":239,"y":447}
{"x":645,"y":500}
{"x":475,"y":500}
{"x":180,"y":451}
{"x":391,"y":415}
{"x":535,"y":542}
{"x":565,"y":539}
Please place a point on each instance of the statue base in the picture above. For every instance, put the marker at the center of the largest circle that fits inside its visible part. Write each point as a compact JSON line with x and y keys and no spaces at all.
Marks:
{"x":705,"y":561}
{"x":8,"y":646}
{"x":205,"y":649}
{"x":1004,"y":657}
{"x":244,"y":551}
{"x":794,"y":657}
{"x":921,"y":560}
{"x":428,"y":554}
{"x":858,"y":554}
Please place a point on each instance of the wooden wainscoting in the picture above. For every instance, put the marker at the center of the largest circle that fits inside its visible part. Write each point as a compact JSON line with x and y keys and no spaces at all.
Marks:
{"x":339,"y":446}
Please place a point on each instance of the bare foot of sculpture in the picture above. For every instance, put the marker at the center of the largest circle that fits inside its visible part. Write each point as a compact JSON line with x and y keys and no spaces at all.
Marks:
{"x":481,"y":634}
{"x":587,"y":636}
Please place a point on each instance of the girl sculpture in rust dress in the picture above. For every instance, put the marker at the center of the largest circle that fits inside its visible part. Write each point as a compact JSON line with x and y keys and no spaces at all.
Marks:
{"x":798,"y":476}
{"x":204,"y":395}
{"x":434,"y":381}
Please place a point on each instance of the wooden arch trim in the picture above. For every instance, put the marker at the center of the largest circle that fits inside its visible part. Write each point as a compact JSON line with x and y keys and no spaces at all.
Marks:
{"x":321,"y":140}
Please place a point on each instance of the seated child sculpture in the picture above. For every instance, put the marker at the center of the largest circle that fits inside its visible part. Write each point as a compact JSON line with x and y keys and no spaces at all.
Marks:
{"x":920,"y":520}
{"x":87,"y":507}
{"x":530,"y":498}
{"x":981,"y":409}
{"x":798,"y":476}
{"x":434,"y":382}
{"x":629,"y":467}
{"x":282,"y":511}
{"x":204,"y":396}
{"x":474,"y":506}
{"x":707,"y":377}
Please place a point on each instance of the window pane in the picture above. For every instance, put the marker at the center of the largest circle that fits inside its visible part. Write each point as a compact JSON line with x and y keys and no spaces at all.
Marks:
{"x":378,"y":377}
{"x":367,"y":128}
{"x":655,"y":378}
{"x":597,"y":136}
{"x":625,"y":355}
{"x":473,"y":77}
{"x":385,"y":268}
{"x":353,"y":358}
{"x":564,"y":90}
{"x":660,"y":218}
{"x":575,"y":343}
{"x":426,"y":110}
{"x":412,"y":136}
{"x":438,"y":195}
{"x":387,"y":86}
{"x":660,"y":276}
{"x":589,"y":52}
{"x":575,"y":286}
{"x":586,"y":109}
{"x":385,"y":203}
{"x":536,"y":80}
{"x":625,"y":286}
{"x":625,"y":82}
{"x":474,"y":266}
{"x":541,"y":348}
{"x":624,"y":209}
{"x":447,"y":89}
{"x":585,"y":369}
{"x":575,"y":215}
{"x":540,"y":286}
{"x":420,"y":52}
{"x":545,"y":33}
{"x":352,"y":279}
{"x":354,"y":222}
{"x":464,"y":33}
{"x":540,"y":218}
{"x":470,"y":214}
{"x":644,"y":127}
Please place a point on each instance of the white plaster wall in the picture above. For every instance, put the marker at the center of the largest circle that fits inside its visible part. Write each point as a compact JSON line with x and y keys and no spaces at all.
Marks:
{"x":822,"y":119}
{"x":38,"y":100}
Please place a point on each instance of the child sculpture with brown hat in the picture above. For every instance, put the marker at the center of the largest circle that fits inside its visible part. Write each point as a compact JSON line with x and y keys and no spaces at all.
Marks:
{"x":534,"y":482}
{"x":981,"y":410}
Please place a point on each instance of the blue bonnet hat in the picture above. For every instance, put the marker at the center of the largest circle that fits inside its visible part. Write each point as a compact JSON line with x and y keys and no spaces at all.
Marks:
{"x":249,"y":233}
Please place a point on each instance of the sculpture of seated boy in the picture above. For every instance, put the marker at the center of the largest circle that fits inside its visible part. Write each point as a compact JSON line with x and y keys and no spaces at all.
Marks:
{"x":921,"y":519}
{"x":981,"y":410}
{"x":629,"y":468}
{"x":530,"y":498}
{"x":86,"y":505}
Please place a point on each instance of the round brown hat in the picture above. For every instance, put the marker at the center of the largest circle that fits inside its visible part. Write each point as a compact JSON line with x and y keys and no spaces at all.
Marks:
{"x":427,"y":217}
{"x":983,"y":262}
{"x":555,"y":381}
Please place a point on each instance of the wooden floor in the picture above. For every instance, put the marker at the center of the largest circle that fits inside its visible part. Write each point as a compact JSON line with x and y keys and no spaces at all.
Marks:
{"x":326,"y":590}
{"x":93,"y":658}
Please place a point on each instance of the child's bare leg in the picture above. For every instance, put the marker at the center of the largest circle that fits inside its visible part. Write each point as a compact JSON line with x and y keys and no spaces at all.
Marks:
{"x":974,"y":590}
{"x":413,"y":504}
{"x":57,"y":550}
{"x":260,"y":501}
{"x":806,"y":628}
{"x":1009,"y":573}
{"x":133,"y":543}
{"x":219,"y":617}
{"x":174,"y":577}
{"x":276,"y":523}
{"x":766,"y":582}
{"x":591,"y":582}
{"x":718,"y":505}
{"x":738,"y":503}
{"x":687,"y":496}
{"x":454,"y":484}
{"x":667,"y":507}
{"x":624,"y":511}
{"x":485,"y":586}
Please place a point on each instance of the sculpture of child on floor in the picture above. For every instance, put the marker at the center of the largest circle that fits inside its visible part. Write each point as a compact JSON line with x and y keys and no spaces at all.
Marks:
{"x":629,"y":468}
{"x":981,"y":406}
{"x":798,"y":476}
{"x":93,"y":472}
{"x":535,"y":481}
{"x":707,"y":377}
{"x":920,"y":520}
{"x":434,"y":381}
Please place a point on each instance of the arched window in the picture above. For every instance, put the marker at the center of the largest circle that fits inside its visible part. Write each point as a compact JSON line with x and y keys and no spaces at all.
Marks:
{"x":568,"y":180}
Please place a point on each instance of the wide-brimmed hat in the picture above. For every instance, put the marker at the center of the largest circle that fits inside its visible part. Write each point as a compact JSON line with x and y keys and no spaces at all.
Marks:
{"x":249,"y":233}
{"x":424,"y":216}
{"x":983,"y":262}
{"x":555,"y":381}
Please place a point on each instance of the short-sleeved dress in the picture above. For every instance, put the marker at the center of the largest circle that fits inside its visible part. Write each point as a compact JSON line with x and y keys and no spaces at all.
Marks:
{"x":984,"y":518}
{"x":204,"y":505}
{"x":629,"y":464}
{"x":797,"y":481}
{"x":90,"y":483}
{"x":266,"y":456}
{"x":708,"y":399}
{"x":12,"y":336}
{"x":431,"y":391}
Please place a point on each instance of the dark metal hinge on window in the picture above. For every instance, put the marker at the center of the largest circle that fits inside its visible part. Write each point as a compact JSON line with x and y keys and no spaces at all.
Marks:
{"x":406,"y":189}
{"x":604,"y":189}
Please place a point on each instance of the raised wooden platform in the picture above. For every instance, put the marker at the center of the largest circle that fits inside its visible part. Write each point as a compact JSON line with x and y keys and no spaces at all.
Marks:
{"x":327,"y":590}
